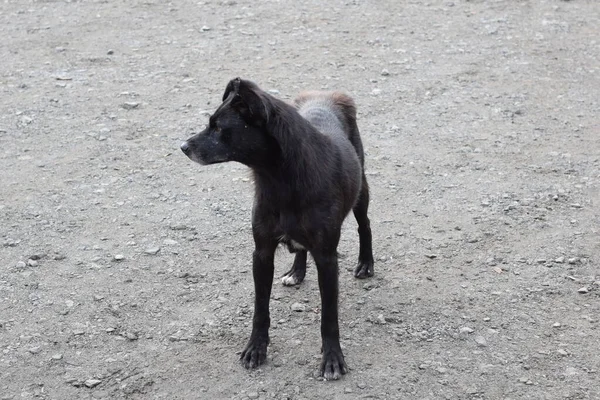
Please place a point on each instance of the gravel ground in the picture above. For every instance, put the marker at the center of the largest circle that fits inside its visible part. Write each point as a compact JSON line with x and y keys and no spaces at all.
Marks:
{"x":125,"y":268}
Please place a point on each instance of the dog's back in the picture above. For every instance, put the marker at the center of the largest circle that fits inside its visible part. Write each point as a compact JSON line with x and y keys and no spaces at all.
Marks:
{"x":333,"y":114}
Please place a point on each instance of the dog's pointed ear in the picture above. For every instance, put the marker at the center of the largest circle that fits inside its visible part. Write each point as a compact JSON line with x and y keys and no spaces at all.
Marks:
{"x":232,"y":87}
{"x":248,"y":100}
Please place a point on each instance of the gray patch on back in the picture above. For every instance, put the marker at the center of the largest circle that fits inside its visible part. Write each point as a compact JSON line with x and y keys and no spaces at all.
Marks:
{"x":321,"y":113}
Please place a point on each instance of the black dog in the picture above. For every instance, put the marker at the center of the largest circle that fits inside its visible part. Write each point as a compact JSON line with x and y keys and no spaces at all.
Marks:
{"x":308,"y":166}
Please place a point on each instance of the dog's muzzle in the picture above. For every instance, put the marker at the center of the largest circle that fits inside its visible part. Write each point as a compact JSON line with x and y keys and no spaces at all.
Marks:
{"x":185,"y":147}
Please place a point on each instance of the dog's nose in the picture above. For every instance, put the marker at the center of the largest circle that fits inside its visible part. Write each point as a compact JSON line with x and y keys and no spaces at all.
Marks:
{"x":185,"y":147}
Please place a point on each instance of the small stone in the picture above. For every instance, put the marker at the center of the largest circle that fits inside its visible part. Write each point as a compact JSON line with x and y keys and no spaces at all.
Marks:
{"x":170,"y":242}
{"x":480,"y":340}
{"x":205,"y":28}
{"x":253,"y":395}
{"x":562,"y":352}
{"x":57,"y":357}
{"x":556,"y":325}
{"x":91,"y":383}
{"x":466,"y":329}
{"x":369,"y":285}
{"x":131,"y":336}
{"x":152,"y":250}
{"x":21,"y":264}
{"x":110,"y":52}
{"x":570,"y":371}
{"x":583,"y":290}
{"x":361,"y":385}
{"x":32,"y":263}
{"x":119,"y":257}
{"x":559,"y":260}
{"x":130,"y":105}
{"x":299,"y":307}
{"x":273,"y":91}
{"x":381,"y":319}
{"x":573,"y":260}
{"x":34,"y":350}
{"x":348,"y":390}
{"x":385,"y":72}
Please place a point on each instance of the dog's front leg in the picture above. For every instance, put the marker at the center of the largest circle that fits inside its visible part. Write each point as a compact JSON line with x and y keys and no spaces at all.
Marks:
{"x":333,"y":365}
{"x":255,"y":352}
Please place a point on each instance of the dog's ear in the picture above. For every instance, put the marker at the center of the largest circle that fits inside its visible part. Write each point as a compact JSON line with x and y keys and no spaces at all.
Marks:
{"x":247,"y":99}
{"x":232,"y":87}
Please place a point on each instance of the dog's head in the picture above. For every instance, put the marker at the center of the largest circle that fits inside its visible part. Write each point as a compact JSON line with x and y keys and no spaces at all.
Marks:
{"x":236,"y":131}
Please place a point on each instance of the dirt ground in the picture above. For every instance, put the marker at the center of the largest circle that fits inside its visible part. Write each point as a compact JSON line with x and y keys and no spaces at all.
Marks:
{"x":126,"y":269}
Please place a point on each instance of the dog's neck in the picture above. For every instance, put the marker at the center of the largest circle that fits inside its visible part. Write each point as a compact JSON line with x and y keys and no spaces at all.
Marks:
{"x":295,"y":161}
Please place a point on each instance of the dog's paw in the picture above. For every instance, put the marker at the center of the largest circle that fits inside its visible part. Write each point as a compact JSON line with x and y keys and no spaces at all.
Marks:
{"x":364,"y":270}
{"x":255,"y":353}
{"x":292,"y":278}
{"x":333,"y":365}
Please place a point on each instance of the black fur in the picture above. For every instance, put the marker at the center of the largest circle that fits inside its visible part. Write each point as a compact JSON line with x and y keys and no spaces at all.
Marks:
{"x":308,"y":165}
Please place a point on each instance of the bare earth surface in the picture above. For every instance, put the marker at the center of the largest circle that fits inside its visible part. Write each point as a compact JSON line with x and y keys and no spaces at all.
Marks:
{"x":125,"y":268}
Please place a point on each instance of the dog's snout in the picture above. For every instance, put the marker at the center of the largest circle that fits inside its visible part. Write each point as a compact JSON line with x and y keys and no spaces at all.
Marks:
{"x":185,"y":147}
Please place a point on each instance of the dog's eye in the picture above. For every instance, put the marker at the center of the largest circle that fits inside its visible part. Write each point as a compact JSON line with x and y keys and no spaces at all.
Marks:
{"x":217,"y":129}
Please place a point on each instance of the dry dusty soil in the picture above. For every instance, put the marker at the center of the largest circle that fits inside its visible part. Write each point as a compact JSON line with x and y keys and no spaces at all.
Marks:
{"x":125,"y":269}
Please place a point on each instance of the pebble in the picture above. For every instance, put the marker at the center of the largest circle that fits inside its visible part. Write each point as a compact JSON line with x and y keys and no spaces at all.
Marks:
{"x":170,"y":242}
{"x":57,"y":357}
{"x":385,"y":72}
{"x":361,"y":385}
{"x":205,"y":28}
{"x":583,"y":290}
{"x":562,"y":352}
{"x":131,"y":336}
{"x":21,"y":264}
{"x":559,"y":260}
{"x":119,"y":257}
{"x":556,"y":325}
{"x":299,"y":307}
{"x":110,"y":52}
{"x":480,"y":340}
{"x":369,"y":285}
{"x":273,"y":91}
{"x":466,"y":329}
{"x":32,"y":263}
{"x":573,"y":260}
{"x":152,"y":250}
{"x":130,"y":105}
{"x":91,"y":383}
{"x":34,"y":350}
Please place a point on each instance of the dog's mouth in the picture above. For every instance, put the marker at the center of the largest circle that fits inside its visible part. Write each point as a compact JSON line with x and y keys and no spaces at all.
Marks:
{"x":196,"y":156}
{"x":187,"y":150}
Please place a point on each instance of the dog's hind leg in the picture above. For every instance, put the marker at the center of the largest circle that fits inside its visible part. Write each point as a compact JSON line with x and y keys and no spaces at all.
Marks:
{"x":295,"y":276}
{"x":364,"y":269}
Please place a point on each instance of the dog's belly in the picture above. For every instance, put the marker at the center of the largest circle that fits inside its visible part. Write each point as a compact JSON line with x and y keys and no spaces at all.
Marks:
{"x":292,"y":245}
